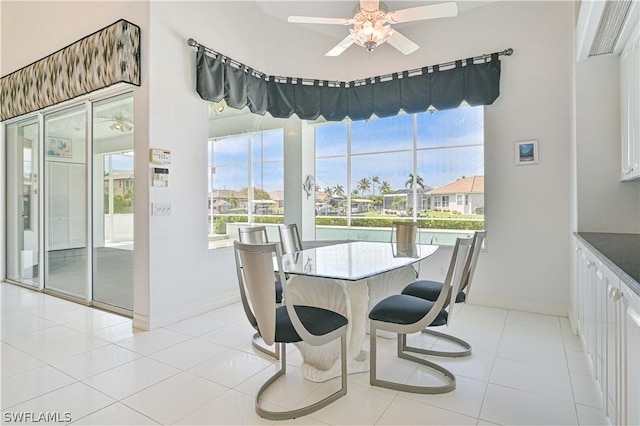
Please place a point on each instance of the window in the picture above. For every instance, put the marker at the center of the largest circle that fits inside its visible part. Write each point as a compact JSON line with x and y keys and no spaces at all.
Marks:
{"x":427,"y":167}
{"x":246,"y":184}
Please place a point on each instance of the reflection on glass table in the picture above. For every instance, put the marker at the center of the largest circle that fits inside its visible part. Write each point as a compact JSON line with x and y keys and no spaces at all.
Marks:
{"x":348,"y":278}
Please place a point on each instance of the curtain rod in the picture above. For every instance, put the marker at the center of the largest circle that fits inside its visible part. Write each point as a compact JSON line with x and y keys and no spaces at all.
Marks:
{"x":507,"y":52}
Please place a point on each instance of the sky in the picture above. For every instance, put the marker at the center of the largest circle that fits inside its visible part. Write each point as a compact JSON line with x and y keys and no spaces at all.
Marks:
{"x":449,"y":144}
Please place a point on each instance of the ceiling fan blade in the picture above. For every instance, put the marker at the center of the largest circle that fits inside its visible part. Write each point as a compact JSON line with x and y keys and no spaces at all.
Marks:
{"x":317,"y":20}
{"x":441,"y":10}
{"x":369,"y":5}
{"x":340,"y":47}
{"x":402,"y":43}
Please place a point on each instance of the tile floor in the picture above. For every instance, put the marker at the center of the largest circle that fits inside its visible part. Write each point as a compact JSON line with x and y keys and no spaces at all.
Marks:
{"x":63,"y":358}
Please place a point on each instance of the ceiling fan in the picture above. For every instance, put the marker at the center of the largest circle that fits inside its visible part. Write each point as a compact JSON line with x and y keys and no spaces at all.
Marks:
{"x":371,"y":24}
{"x":119,"y":122}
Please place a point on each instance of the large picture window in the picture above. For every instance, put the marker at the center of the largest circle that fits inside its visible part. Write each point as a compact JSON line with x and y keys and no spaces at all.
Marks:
{"x":427,"y":167}
{"x":246,"y":184}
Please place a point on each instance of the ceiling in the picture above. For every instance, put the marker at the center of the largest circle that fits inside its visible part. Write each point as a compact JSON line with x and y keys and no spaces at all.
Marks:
{"x":346,"y":9}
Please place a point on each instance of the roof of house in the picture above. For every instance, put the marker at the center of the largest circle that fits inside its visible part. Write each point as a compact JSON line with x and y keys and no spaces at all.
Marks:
{"x":277,"y":195}
{"x":469,"y":185}
{"x":406,"y":191}
{"x":227,"y":193}
{"x":120,"y":176}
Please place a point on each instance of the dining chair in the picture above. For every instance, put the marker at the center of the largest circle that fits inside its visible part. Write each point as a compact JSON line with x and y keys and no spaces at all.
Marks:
{"x":405,"y":241}
{"x":258,"y":235}
{"x":288,"y":323}
{"x":289,"y":238}
{"x":253,"y":235}
{"x":429,"y":290}
{"x":404,"y":314}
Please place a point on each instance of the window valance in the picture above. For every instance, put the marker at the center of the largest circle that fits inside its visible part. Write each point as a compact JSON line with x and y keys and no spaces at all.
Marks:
{"x":445,"y":86}
{"x":108,"y":56}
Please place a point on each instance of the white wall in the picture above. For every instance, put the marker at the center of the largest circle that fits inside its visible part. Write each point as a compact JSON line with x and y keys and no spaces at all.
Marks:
{"x":527,"y":207}
{"x":604,"y":203}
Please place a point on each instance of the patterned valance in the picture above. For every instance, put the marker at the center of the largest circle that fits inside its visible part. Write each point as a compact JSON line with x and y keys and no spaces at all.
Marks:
{"x":445,"y":86}
{"x":104,"y":58}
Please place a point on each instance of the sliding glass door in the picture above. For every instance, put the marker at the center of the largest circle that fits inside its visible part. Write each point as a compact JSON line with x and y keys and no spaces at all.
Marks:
{"x":65,"y":195}
{"x":69,"y":201}
{"x":22,"y":139}
{"x":112,"y":203}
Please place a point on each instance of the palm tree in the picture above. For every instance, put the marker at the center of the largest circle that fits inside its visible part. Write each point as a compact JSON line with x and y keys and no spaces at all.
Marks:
{"x":363,"y":185}
{"x":339,"y":190}
{"x":329,"y":191}
{"x":419,"y":181}
{"x":375,"y":180}
{"x":385,"y":187}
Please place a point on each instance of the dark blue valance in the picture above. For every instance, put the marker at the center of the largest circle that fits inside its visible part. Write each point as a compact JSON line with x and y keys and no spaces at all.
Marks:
{"x":221,"y":78}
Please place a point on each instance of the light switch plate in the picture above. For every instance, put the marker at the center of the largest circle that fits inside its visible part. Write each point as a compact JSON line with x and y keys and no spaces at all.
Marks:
{"x":160,"y":209}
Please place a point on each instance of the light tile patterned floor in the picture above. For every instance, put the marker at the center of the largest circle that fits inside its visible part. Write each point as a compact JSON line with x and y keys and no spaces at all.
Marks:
{"x":60,"y":357}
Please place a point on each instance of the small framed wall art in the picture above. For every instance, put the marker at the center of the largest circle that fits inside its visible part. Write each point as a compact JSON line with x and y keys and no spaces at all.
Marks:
{"x":58,"y":147}
{"x":526,"y":152}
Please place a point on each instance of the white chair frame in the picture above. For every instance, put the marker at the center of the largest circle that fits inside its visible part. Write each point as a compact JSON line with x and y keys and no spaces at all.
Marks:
{"x":254,"y":265}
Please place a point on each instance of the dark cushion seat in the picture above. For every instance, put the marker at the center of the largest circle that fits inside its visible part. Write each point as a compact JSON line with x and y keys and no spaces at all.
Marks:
{"x":278,"y":291}
{"x":316,"y":320}
{"x":429,"y":290}
{"x":404,"y":309}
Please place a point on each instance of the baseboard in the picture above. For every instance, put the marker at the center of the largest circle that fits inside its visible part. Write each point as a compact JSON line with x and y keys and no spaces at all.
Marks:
{"x":141,"y":321}
{"x":162,"y":319}
{"x":521,"y":305}
{"x":573,"y":322}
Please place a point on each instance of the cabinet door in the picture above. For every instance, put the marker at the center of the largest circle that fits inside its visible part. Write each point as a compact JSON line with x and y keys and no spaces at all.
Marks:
{"x":580,"y":283}
{"x":612,"y":355}
{"x":600,"y":290}
{"x":630,"y":107}
{"x":630,"y":370}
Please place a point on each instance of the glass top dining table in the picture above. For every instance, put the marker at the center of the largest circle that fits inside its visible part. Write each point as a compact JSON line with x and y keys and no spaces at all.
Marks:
{"x":355,"y":260}
{"x":348,"y":278}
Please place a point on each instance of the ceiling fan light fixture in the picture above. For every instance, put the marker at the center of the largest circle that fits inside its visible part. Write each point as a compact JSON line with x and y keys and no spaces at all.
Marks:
{"x":121,"y":126}
{"x":370,"y":29}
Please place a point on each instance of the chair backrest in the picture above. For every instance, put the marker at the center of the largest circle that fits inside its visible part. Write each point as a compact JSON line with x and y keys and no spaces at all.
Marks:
{"x":458,"y":271}
{"x":405,"y":232}
{"x":290,"y":238}
{"x":472,"y":261}
{"x":452,"y":282}
{"x":405,"y":244}
{"x":253,"y":235}
{"x":255,"y":267}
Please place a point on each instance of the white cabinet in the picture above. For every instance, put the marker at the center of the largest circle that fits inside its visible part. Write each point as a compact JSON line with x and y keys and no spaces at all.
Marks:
{"x":592,"y":313}
{"x":608,"y":321}
{"x":613,"y":352}
{"x":630,"y":366}
{"x":630,"y":107}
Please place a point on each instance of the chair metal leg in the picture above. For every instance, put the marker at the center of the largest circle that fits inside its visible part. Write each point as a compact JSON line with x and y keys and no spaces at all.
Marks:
{"x":299,"y":412}
{"x":402,"y":354}
{"x":448,"y":354}
{"x":259,"y":345}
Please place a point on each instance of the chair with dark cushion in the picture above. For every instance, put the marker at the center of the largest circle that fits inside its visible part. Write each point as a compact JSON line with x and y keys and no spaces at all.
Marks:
{"x":288,"y":323}
{"x":258,"y":235}
{"x":404,"y":314}
{"x":429,"y":290}
{"x":289,"y":238}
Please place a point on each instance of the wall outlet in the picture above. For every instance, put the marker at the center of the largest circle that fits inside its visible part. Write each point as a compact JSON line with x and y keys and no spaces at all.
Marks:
{"x":160,"y":209}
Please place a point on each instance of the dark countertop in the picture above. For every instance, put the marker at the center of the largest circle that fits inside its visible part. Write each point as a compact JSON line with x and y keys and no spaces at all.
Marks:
{"x":620,"y":252}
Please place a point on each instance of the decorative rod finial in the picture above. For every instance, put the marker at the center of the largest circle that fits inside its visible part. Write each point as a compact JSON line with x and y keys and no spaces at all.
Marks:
{"x":191,"y":42}
{"x":508,"y":52}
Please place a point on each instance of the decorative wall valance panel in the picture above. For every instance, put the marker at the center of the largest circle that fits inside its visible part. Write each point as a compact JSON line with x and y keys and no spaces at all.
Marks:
{"x":104,"y":58}
{"x":445,"y":86}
